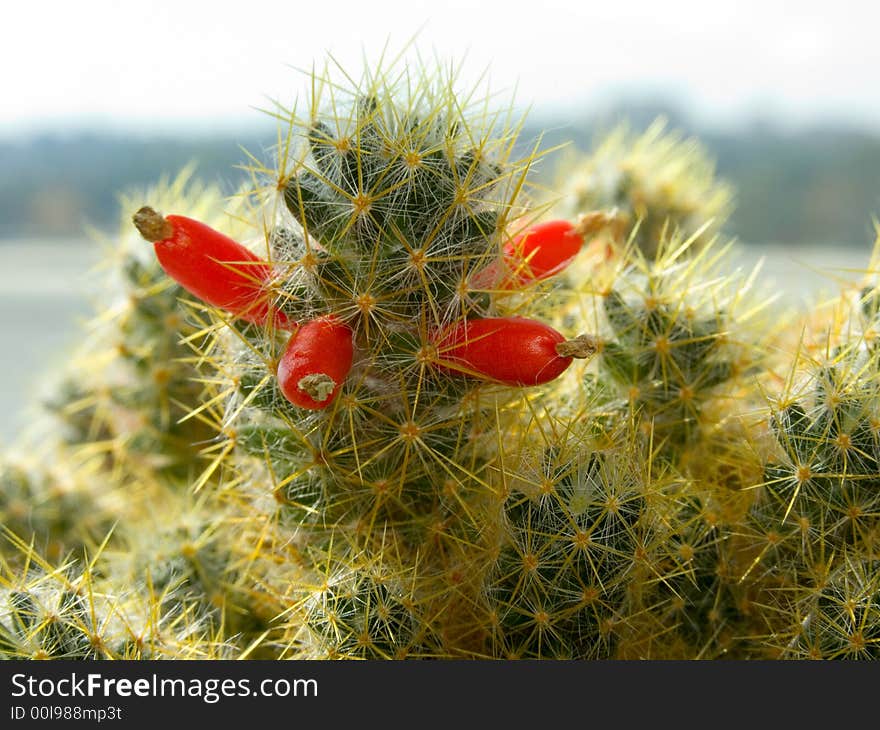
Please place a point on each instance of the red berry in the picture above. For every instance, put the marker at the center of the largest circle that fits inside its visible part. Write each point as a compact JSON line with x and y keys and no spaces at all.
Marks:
{"x":509,"y":350}
{"x":212,"y":266}
{"x":316,"y":362}
{"x":538,"y":253}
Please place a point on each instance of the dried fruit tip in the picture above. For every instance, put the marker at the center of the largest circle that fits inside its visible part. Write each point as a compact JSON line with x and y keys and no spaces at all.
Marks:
{"x":316,"y":362}
{"x":581,"y":347}
{"x":152,"y":225}
{"x":589,"y":224}
{"x":318,"y":386}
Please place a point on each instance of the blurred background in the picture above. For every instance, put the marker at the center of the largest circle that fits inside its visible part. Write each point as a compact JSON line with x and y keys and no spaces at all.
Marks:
{"x":102,"y":97}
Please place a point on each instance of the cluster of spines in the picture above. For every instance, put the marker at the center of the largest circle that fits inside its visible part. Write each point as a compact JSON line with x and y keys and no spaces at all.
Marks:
{"x":359,"y":604}
{"x":388,"y":212}
{"x":815,"y":517}
{"x":675,"y":338}
{"x":134,"y":381}
{"x":59,"y":512}
{"x":681,"y":352}
{"x":120,"y":449}
{"x":384,"y":216}
{"x":404,"y":210}
{"x":604,"y":550}
{"x":657,"y":178}
{"x":575,"y":534}
{"x":840,"y":618}
{"x":68,"y":610}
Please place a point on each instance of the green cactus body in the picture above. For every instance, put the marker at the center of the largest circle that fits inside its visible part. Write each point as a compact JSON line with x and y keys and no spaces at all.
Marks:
{"x":658,"y":179}
{"x":67,"y":611}
{"x":841,"y":617}
{"x":133,"y":382}
{"x":676,"y":344}
{"x":813,"y":528}
{"x":577,"y":535}
{"x":386,"y":208}
{"x":347,"y":480}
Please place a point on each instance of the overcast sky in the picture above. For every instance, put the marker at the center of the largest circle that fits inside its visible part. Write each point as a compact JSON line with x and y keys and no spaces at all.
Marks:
{"x":206,"y":65}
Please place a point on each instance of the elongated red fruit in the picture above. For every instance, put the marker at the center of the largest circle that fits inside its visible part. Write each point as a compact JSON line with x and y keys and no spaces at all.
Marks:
{"x":316,"y":362}
{"x":509,"y":350}
{"x":538,"y":253}
{"x":212,"y":266}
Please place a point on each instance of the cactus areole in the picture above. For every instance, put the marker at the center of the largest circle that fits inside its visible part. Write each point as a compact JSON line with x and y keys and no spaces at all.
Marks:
{"x":211,"y":266}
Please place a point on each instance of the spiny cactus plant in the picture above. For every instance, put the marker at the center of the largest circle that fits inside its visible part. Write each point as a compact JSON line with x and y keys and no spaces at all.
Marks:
{"x":659,"y":178}
{"x":131,"y":389}
{"x":812,"y":531}
{"x":577,"y":534}
{"x":682,"y":348}
{"x":117,"y":463}
{"x":372,"y":440}
{"x":366,"y":394}
{"x":841,"y":617}
{"x":829,"y":445}
{"x":68,"y":610}
{"x":59,"y":506}
{"x":678,"y":334}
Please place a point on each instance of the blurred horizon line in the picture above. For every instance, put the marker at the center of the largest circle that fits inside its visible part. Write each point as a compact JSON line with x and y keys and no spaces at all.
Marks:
{"x":684,"y":110}
{"x":809,"y":183}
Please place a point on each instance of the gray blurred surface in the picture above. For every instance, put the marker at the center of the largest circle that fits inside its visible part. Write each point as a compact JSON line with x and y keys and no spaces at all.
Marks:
{"x":43,"y":300}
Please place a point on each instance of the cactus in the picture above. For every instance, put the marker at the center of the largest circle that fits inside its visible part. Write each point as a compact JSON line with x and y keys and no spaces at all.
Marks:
{"x":120,"y":444}
{"x":811,"y":533}
{"x":840,"y":618}
{"x":59,"y":507}
{"x":131,"y":388}
{"x":67,"y":610}
{"x":680,"y":334}
{"x":659,"y":179}
{"x":577,"y":535}
{"x":382,"y":209}
{"x":379,"y":421}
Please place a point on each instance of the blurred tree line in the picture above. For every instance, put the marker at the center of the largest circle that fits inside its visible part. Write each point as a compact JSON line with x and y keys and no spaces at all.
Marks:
{"x":818,"y":184}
